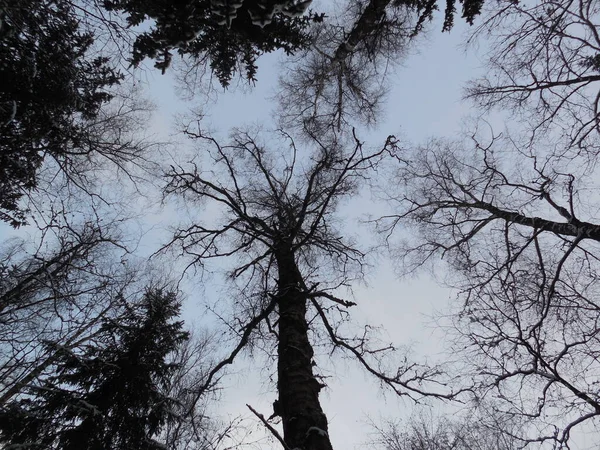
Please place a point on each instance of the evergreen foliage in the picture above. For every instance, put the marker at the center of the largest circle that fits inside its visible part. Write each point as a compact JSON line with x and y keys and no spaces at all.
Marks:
{"x":111,"y":395}
{"x":229,"y":36}
{"x":51,"y":83}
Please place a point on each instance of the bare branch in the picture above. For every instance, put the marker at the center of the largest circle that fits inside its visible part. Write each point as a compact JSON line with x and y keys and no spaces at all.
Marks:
{"x":525,"y":270}
{"x":269,"y":427}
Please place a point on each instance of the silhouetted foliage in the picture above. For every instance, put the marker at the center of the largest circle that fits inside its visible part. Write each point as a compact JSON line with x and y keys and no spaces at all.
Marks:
{"x":229,"y":36}
{"x":51,"y":84}
{"x":226,"y":35}
{"x":112,"y":393}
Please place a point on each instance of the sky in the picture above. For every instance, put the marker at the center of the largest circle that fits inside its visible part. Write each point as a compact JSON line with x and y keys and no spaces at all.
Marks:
{"x":424,"y":101}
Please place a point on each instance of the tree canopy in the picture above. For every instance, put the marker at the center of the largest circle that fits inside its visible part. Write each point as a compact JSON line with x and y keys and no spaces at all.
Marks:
{"x":111,"y":393}
{"x":52,"y":85}
{"x":288,"y":258}
{"x":93,"y":352}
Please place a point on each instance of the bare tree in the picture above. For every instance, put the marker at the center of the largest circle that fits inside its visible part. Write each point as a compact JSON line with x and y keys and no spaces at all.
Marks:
{"x":56,"y":293}
{"x":544,"y":62}
{"x":341,"y":78}
{"x":419,"y":433}
{"x":277,"y":238}
{"x":194,"y":428}
{"x":521,"y":238}
{"x":483,"y":430}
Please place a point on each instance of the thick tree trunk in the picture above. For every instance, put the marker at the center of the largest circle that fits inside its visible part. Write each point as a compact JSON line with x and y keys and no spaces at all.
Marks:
{"x":304,"y":423}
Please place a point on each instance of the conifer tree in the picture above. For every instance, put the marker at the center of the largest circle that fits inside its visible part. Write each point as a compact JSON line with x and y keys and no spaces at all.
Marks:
{"x":110,"y":395}
{"x":52,"y":85}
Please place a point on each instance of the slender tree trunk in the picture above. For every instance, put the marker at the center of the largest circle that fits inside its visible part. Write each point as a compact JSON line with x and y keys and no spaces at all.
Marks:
{"x":34,"y":373}
{"x":304,"y":423}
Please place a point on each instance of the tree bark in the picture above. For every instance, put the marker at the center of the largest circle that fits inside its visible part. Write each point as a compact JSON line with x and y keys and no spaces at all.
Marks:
{"x":574,"y":227}
{"x":365,"y":25}
{"x":304,"y":423}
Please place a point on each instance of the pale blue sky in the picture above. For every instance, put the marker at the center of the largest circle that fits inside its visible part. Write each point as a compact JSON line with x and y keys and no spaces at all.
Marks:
{"x":424,"y":101}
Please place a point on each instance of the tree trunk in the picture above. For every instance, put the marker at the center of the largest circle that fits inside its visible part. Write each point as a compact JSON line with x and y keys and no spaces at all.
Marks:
{"x":304,"y":423}
{"x":366,"y":24}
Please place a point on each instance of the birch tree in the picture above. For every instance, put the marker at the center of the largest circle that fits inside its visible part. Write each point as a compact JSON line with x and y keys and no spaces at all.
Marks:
{"x":58,"y":293}
{"x":543,"y":63}
{"x":520,"y":238}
